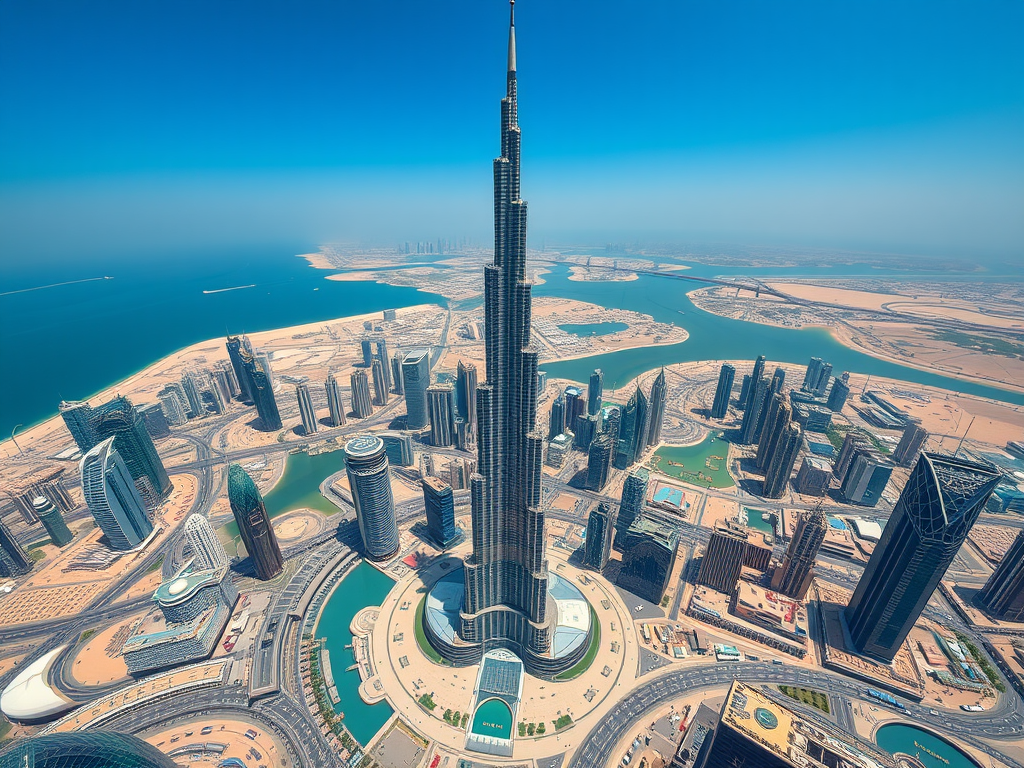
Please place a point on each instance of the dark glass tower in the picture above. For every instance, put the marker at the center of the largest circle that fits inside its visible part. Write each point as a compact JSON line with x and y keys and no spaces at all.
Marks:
{"x":366,"y":461}
{"x":754,"y":377}
{"x":793,"y":576}
{"x":756,"y":402}
{"x":723,"y":392}
{"x":236,"y":345}
{"x":13,"y":559}
{"x":656,"y":415}
{"x":415,"y":380}
{"x":439,"y":504}
{"x":261,"y":387}
{"x":254,"y":524}
{"x":632,"y":431}
{"x":598,"y":544}
{"x":1003,"y":594}
{"x":599,"y":462}
{"x":90,"y":749}
{"x":52,"y":521}
{"x":939,"y":504}
{"x":465,"y":392}
{"x":632,"y":503}
{"x":595,"y":392}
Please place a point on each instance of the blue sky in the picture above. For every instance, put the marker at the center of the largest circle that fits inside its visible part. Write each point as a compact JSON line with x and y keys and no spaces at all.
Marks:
{"x":869,"y":125}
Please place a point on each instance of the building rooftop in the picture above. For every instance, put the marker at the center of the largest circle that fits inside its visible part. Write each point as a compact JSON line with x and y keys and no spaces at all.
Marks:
{"x":185,"y":585}
{"x":29,"y":696}
{"x":364,"y":445}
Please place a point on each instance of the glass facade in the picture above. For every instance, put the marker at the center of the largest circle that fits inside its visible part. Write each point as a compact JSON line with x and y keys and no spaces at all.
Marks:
{"x":112,"y":497}
{"x":254,"y":524}
{"x":94,"y":749}
{"x":367,"y":464}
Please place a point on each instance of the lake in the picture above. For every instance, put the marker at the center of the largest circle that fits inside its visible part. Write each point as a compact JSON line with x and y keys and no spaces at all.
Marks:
{"x":932,"y":751}
{"x":701,"y":464}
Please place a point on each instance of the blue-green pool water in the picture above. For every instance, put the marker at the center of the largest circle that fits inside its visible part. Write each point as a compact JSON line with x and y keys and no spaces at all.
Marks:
{"x":593,"y":329}
{"x":364,"y":586}
{"x":910,"y":740}
{"x":700,"y":464}
{"x":493,"y":718}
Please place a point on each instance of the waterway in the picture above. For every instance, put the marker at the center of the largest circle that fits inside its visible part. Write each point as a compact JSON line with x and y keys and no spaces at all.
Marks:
{"x":700,"y":464}
{"x":932,"y":751}
{"x":363,"y":586}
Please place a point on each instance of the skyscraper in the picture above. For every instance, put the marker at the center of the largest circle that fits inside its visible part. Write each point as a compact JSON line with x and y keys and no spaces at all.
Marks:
{"x":172,"y":406}
{"x":793,"y":577}
{"x":83,"y":749}
{"x":758,"y":400}
{"x":778,"y":379}
{"x":465,"y":392}
{"x":723,"y":392}
{"x":598,"y":545}
{"x":366,"y":462}
{"x":380,"y":384}
{"x":866,"y":478}
{"x":839,"y":393}
{"x":112,"y":497}
{"x":334,"y":402}
{"x":817,"y":376}
{"x":306,"y":410}
{"x":754,"y":378}
{"x":236,"y":345}
{"x":254,"y":526}
{"x":575,"y":405}
{"x":723,"y":559}
{"x":155,"y":420}
{"x":1002,"y":597}
{"x":396,"y":374}
{"x":599,"y":462}
{"x":632,"y":431}
{"x":656,"y":415}
{"x":745,"y":392}
{"x":632,"y":502}
{"x":366,"y":347}
{"x":441,"y":407}
{"x":934,"y":513}
{"x":853,"y":442}
{"x":190,"y":385}
{"x":439,"y":504}
{"x":814,"y":477}
{"x":381,"y":354}
{"x":910,"y":445}
{"x":52,"y":521}
{"x":783,"y":460}
{"x":14,"y":561}
{"x":584,"y":430}
{"x":557,"y":423}
{"x":207,"y":551}
{"x":362,"y":403}
{"x":261,"y":388}
{"x":648,"y":559}
{"x":416,"y":379}
{"x":595,"y":392}
{"x":777,"y":417}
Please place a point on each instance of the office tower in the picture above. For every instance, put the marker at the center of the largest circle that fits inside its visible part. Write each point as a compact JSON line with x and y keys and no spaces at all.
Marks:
{"x":584,"y":430}
{"x":77,"y":418}
{"x":14,"y":561}
{"x":207,"y":551}
{"x":595,"y":392}
{"x":557,"y":423}
{"x":632,"y":503}
{"x":783,"y":460}
{"x":366,"y":345}
{"x":656,"y":413}
{"x":839,"y":393}
{"x":847,"y":452}
{"x":599,"y":462}
{"x":757,"y":401}
{"x":744,"y":392}
{"x":441,"y":407}
{"x":53,"y":521}
{"x":306,"y":411}
{"x":334,"y":402}
{"x":190,"y":386}
{"x":463,"y":435}
{"x":934,"y":513}
{"x":723,"y":559}
{"x":465,"y":393}
{"x":261,"y":389}
{"x":610,"y":418}
{"x":598,"y":545}
{"x":824,"y":376}
{"x":254,"y":526}
{"x":84,"y":749}
{"x":814,"y":477}
{"x":558,"y":449}
{"x":396,"y":374}
{"x":777,"y":418}
{"x":416,"y":379}
{"x":575,"y":405}
{"x":813,"y":418}
{"x":542,"y":381}
{"x":381,"y":354}
{"x":237,"y":345}
{"x":366,"y":462}
{"x":439,"y":502}
{"x":112,"y":497}
{"x":1002,"y":597}
{"x":754,"y":378}
{"x":866,"y":479}
{"x":155,"y":421}
{"x":380,"y":384}
{"x":227,"y":379}
{"x":362,"y":404}
{"x":390,"y":315}
{"x":398,"y":447}
{"x":648,"y":559}
{"x":172,"y":406}
{"x":793,"y":577}
{"x":910,"y":445}
{"x":723,"y":392}
{"x":121,"y":420}
{"x":778,"y":380}
{"x":817,"y":376}
{"x":632,"y":431}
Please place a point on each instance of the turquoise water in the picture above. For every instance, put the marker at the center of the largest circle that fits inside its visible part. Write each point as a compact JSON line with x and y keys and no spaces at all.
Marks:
{"x":897,"y":737}
{"x":299,"y":486}
{"x":493,"y":718}
{"x":690,"y":463}
{"x":364,"y":586}
{"x":593,"y":329}
{"x":755,"y":521}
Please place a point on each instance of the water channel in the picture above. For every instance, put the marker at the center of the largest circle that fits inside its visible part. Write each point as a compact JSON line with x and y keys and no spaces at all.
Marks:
{"x":932,"y":751}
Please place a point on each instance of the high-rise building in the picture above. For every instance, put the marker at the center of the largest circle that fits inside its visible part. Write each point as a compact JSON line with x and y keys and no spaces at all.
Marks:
{"x":723,"y":559}
{"x":632,"y":431}
{"x":172,"y":406}
{"x":754,"y":378}
{"x":632,"y":503}
{"x":398,"y":447}
{"x":817,"y":376}
{"x":237,"y":345}
{"x":812,"y":417}
{"x":156,"y":423}
{"x":380,"y":384}
{"x":334,"y":401}
{"x":254,"y":525}
{"x":598,"y":545}
{"x":575,"y":405}
{"x":745,"y":391}
{"x":758,"y":400}
{"x":783,"y":460}
{"x":656,"y":414}
{"x":190,"y":385}
{"x":793,"y":577}
{"x":814,"y":477}
{"x":441,"y":407}
{"x":558,"y":449}
{"x":910,"y":445}
{"x":465,"y":393}
{"x":934,"y":513}
{"x":14,"y":561}
{"x":362,"y":403}
{"x":853,"y":442}
{"x":723,"y":392}
{"x":306,"y":411}
{"x":227,"y":378}
{"x":261,"y":389}
{"x":396,"y":374}
{"x":557,"y":423}
{"x":778,"y":380}
{"x":366,"y":461}
{"x":839,"y":393}
{"x":416,"y":379}
{"x":867,"y":477}
{"x":648,"y":559}
{"x":777,"y":417}
{"x":611,"y":416}
{"x":584,"y":431}
{"x":439,"y":503}
{"x":381,"y":354}
{"x":366,"y":347}
{"x":113,"y":498}
{"x":1002,"y":597}
{"x":599,"y":462}
{"x":595,"y":392}
{"x":207,"y":551}
{"x":53,"y":521}
{"x":84,"y":749}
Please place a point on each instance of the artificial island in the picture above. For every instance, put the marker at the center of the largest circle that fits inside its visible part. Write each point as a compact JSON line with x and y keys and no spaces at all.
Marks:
{"x":420,"y":538}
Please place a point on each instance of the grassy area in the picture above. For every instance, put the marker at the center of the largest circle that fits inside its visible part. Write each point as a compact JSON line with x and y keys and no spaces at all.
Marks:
{"x":983,"y":662}
{"x":157,"y":565}
{"x":87,"y":634}
{"x":985,"y":344}
{"x":563,"y":722}
{"x":36,"y":555}
{"x":815,"y":699}
{"x":421,"y":636}
{"x":5,"y":727}
{"x":836,"y":435}
{"x":428,"y":701}
{"x":583,"y":664}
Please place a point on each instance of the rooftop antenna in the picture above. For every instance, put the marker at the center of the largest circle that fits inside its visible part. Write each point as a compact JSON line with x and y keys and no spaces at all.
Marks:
{"x":960,"y":444}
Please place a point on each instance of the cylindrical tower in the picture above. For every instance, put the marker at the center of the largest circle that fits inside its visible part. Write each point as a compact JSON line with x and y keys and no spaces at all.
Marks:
{"x":52,"y":521}
{"x":367,"y":465}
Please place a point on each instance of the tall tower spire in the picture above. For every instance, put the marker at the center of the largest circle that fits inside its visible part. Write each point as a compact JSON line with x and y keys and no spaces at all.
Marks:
{"x":512,"y":36}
